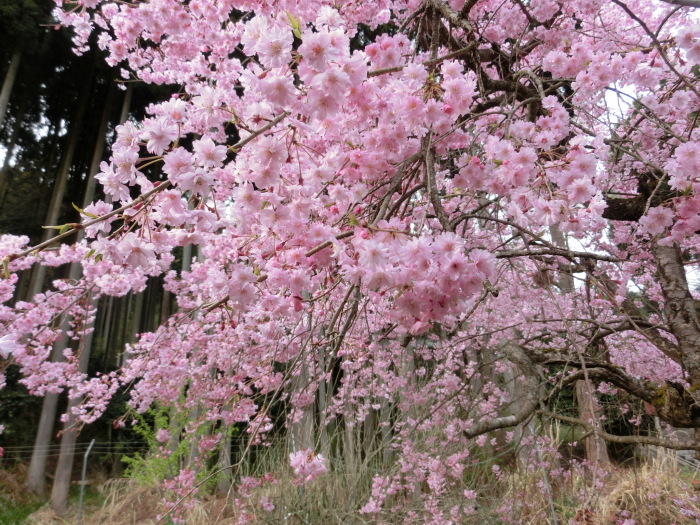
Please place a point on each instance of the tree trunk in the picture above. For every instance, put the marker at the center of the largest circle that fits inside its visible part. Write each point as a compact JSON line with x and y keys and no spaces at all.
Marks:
{"x":98,"y":151}
{"x":303,"y":428}
{"x":64,"y":469}
{"x":223,"y":484}
{"x":682,"y":315}
{"x":105,"y":333}
{"x":385,"y":427}
{"x":524,"y":432}
{"x":36,"y":481}
{"x":370,"y":428}
{"x":323,"y":402}
{"x":60,"y":185}
{"x":10,"y":150}
{"x":126,"y":103}
{"x":350,"y":441}
{"x":9,"y":83}
{"x":589,"y":410}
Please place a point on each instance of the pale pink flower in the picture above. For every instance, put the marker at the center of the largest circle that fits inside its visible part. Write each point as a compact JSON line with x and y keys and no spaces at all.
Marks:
{"x":8,"y":344}
{"x":208,"y":154}
{"x":317,"y":50}
{"x":307,"y":466}
{"x":275,"y":47}
{"x":279,"y":90}
{"x":135,"y":252}
{"x":159,"y":134}
{"x":657,"y":219}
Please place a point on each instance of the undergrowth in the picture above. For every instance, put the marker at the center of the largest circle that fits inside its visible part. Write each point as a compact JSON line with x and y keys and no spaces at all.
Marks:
{"x":537,"y":489}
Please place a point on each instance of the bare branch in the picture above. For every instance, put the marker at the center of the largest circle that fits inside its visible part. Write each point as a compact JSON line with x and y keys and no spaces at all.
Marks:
{"x":433,"y":62}
{"x":139,"y":200}
{"x":506,"y":254}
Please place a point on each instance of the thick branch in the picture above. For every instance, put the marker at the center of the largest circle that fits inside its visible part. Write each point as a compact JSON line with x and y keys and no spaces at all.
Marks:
{"x":451,"y":15}
{"x":683,"y":3}
{"x":517,"y":356}
{"x":636,"y":440}
{"x":637,"y":322}
{"x":672,"y":401}
{"x":644,"y":390}
{"x":624,"y":209}
{"x":431,"y":186}
{"x":679,"y":306}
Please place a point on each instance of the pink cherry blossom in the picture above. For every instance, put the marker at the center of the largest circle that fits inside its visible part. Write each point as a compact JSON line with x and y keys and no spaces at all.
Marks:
{"x":307,"y":465}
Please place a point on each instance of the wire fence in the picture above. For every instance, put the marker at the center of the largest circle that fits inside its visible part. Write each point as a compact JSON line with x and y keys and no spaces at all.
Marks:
{"x":25,"y":452}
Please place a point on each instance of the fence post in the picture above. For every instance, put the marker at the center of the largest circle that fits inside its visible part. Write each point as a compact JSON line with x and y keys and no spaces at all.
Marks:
{"x":82,"y":481}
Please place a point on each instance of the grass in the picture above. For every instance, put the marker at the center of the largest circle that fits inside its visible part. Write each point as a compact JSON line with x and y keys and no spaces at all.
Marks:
{"x":15,"y":504}
{"x":16,"y":513}
{"x":541,"y":491}
{"x":18,"y":507}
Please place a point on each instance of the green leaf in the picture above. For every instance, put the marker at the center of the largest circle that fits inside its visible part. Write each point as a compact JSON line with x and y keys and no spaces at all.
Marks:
{"x":296,"y":25}
{"x":61,"y":229}
{"x":83,"y":212}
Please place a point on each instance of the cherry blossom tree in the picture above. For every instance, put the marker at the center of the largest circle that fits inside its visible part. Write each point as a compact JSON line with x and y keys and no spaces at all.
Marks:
{"x":385,"y":221}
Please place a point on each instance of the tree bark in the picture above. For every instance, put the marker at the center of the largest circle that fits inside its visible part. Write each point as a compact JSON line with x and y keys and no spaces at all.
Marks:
{"x":679,"y":307}
{"x":36,"y":479}
{"x":9,"y":83}
{"x":323,"y":398}
{"x":684,"y":3}
{"x":682,"y":316}
{"x":303,"y":428}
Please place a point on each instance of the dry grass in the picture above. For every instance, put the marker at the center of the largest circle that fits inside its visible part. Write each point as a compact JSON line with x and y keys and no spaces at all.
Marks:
{"x":127,"y":502}
{"x":12,"y":483}
{"x":658,"y":492}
